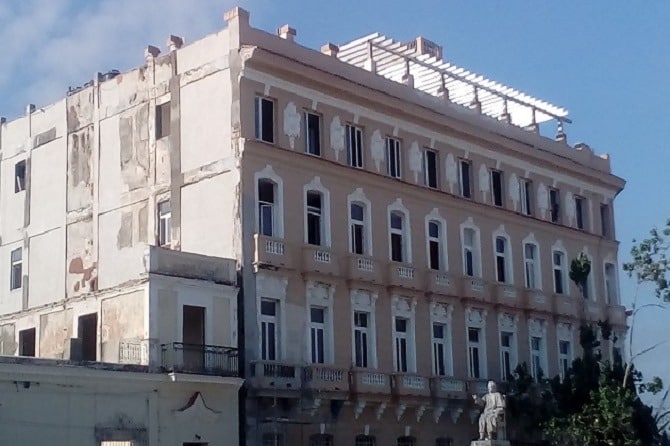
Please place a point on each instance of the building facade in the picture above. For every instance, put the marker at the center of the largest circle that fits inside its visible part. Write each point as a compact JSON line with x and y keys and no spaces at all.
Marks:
{"x":399,"y":230}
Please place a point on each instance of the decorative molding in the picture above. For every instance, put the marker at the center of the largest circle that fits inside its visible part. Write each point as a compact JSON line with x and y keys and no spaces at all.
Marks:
{"x":484,"y":181}
{"x":403,"y":306}
{"x":377,"y":149}
{"x":451,"y":172}
{"x":400,"y":410}
{"x":537,"y":327}
{"x":513,"y":189}
{"x":475,"y":317}
{"x":441,"y":312}
{"x":455,"y":414}
{"x":570,"y":208}
{"x":380,"y":410}
{"x":564,"y":331}
{"x":337,"y":136}
{"x":542,"y":200}
{"x":363,"y":299}
{"x":291,"y":123}
{"x":415,"y":160}
{"x":358,"y":408}
{"x":437,"y":413}
{"x":420,"y":411}
{"x":197,"y":409}
{"x":508,"y":321}
{"x":320,"y":293}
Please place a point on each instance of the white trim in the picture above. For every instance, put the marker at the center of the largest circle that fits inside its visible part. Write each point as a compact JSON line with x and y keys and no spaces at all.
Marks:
{"x":358,"y":196}
{"x":476,"y":318}
{"x":440,"y":313}
{"x":316,"y":185}
{"x":404,"y":307}
{"x":508,"y":322}
{"x":398,"y":206}
{"x":609,"y":260}
{"x":319,"y":294}
{"x":558,"y":247}
{"x":435,"y":216}
{"x":508,"y":255}
{"x":365,"y":300}
{"x":476,"y":250}
{"x":537,"y":328}
{"x":272,"y":287}
{"x":537,"y":262}
{"x":269,"y":174}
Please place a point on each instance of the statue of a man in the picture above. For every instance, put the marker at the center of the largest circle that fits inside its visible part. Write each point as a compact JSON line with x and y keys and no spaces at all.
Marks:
{"x":494,"y":407}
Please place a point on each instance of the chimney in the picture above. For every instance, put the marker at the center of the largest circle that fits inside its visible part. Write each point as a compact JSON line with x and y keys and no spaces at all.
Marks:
{"x":175,"y":42}
{"x":241,"y":14}
{"x":151,"y":52}
{"x":330,"y":49}
{"x":286,"y":32}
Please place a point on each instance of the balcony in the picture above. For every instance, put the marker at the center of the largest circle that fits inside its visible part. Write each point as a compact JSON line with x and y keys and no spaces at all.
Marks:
{"x":508,"y":295}
{"x":442,"y":283}
{"x":564,"y":305}
{"x":443,"y":387}
{"x":404,"y":384}
{"x":475,"y":288}
{"x":537,"y":301}
{"x":322,"y":378}
{"x":272,"y":252}
{"x":594,"y":311}
{"x":274,"y":375}
{"x":214,"y":360}
{"x":478,"y":386}
{"x":616,"y":314}
{"x":364,"y":268}
{"x":369,"y":382}
{"x":319,"y":259}
{"x":404,"y":275}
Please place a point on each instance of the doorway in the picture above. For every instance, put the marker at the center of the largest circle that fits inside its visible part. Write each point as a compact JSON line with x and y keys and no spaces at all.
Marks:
{"x":88,"y":333}
{"x":193,"y":338}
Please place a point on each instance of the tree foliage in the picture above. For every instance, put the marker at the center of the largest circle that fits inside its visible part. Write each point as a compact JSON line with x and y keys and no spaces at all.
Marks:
{"x":650,"y":261}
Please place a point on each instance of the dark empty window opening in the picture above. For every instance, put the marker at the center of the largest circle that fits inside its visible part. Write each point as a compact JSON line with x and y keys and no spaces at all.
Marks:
{"x":605,"y":221}
{"x":497,"y":187}
{"x":16,"y":270}
{"x":314,"y":218}
{"x":264,"y":119}
{"x":162,"y":120}
{"x":27,"y":342}
{"x":313,"y":134}
{"x":430,"y":168}
{"x":464,"y":179}
{"x":354,"y":146}
{"x":164,"y":223}
{"x":555,"y":207}
{"x":393,"y":162}
{"x":20,"y":176}
{"x":580,"y":211}
{"x":88,"y":333}
{"x":266,"y":206}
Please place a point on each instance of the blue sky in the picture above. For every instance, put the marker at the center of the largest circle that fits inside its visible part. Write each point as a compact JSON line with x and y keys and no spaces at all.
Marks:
{"x":608,"y":63}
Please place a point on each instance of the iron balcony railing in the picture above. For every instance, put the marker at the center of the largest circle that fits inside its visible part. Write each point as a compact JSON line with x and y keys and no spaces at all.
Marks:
{"x":199,"y":359}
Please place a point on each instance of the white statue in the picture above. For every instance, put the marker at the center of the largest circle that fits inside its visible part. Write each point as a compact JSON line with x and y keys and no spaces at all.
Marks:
{"x":494,"y":408}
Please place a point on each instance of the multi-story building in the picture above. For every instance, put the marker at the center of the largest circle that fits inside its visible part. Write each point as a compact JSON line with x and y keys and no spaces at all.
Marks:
{"x":401,"y":230}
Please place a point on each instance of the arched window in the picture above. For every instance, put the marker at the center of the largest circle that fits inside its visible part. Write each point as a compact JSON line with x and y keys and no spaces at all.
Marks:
{"x":502,"y":263}
{"x":267,"y":201}
{"x":531,"y":258}
{"x":315,"y":217}
{"x":397,"y":234}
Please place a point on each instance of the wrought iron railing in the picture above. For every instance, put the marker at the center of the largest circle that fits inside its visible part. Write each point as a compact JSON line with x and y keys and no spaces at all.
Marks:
{"x":199,"y":359}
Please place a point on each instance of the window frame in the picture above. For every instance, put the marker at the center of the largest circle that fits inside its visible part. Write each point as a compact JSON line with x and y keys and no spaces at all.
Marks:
{"x":563,"y":269}
{"x":564,"y":359}
{"x":533,"y":282}
{"x":611,"y":283}
{"x":259,"y":112}
{"x":581,"y":211}
{"x":465,"y":190}
{"x":444,"y":367}
{"x":162,"y":124}
{"x":394,"y":152}
{"x":475,"y":249}
{"x":16,"y":269}
{"x":475,"y":347}
{"x":358,"y":198}
{"x":401,"y":345}
{"x":264,"y":321}
{"x":20,"y":176}
{"x":353,"y":135}
{"x":431,"y":162}
{"x":555,"y":206}
{"x":314,"y":328}
{"x":164,"y":217}
{"x":506,"y":255}
{"x":526,"y":196}
{"x":511,"y":351}
{"x":308,"y":140}
{"x":315,"y":213}
{"x":366,"y":341}
{"x":268,"y":174}
{"x":501,"y":188}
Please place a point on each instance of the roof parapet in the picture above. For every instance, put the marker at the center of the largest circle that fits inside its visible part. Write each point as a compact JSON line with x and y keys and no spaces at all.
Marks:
{"x":330,"y":49}
{"x":175,"y":42}
{"x":151,"y":52}
{"x":287,"y":32}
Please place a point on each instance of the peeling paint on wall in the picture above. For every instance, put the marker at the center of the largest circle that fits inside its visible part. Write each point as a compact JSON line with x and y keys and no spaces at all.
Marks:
{"x":55,"y":332}
{"x":134,"y":142}
{"x":80,"y":185}
{"x":7,"y":340}
{"x":82,"y":265}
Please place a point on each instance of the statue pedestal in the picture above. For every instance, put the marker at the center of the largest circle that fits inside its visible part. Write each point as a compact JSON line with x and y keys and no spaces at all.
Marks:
{"x":489,"y":443}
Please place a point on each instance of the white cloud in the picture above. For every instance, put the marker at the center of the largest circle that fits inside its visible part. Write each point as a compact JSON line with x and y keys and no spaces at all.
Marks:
{"x":49,"y":45}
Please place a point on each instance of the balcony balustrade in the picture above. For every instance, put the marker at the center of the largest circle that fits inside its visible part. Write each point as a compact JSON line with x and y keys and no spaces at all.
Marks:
{"x":320,"y":378}
{"x":537,"y":301}
{"x":197,"y":359}
{"x":364,"y":268}
{"x":407,"y":384}
{"x":366,"y":381}
{"x":617,"y":314}
{"x":274,"y":375}
{"x":478,"y":386}
{"x":404,"y":275}
{"x":319,"y":259}
{"x":475,"y":288}
{"x":509,"y":295}
{"x":444,"y":387}
{"x":594,"y":311}
{"x":442,"y":283}
{"x":564,"y":305}
{"x":272,"y":251}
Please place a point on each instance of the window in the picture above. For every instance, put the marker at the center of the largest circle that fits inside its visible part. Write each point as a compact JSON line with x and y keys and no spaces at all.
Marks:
{"x":163,"y":120}
{"x":564,"y":357}
{"x":264,"y":119}
{"x":435,"y":250}
{"x":444,"y":441}
{"x":321,"y":440}
{"x":580,"y":212}
{"x":497,"y":193}
{"x":474,"y":352}
{"x":502,"y":261}
{"x":526,"y":196}
{"x":362,"y":339}
{"x":401,"y":341}
{"x":441,"y":350}
{"x":314,"y":218}
{"x":611,"y":284}
{"x":20,"y":176}
{"x":317,"y":333}
{"x":430,"y":168}
{"x":507,"y":354}
{"x":27,"y":342}
{"x":532,"y":266}
{"x":397,"y":235}
{"x":560,"y":275}
{"x":357,"y":227}
{"x":16,"y":272}
{"x":312,"y":134}
{"x":393,"y":158}
{"x":365,"y":440}
{"x":269,"y":330}
{"x":464,"y":183}
{"x":554,"y":205}
{"x":164,"y":223}
{"x":605,"y":221}
{"x":406,"y":441}
{"x":354,"y":146}
{"x":273,"y":439}
{"x":266,"y":207}
{"x":470,"y":253}
{"x":536,"y":356}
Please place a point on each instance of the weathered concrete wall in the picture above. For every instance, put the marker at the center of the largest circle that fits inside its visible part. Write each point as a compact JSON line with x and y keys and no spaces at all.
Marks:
{"x":11,"y":203}
{"x":7,"y":339}
{"x":10,"y":300}
{"x":48,"y":170}
{"x":55,"y":331}
{"x":122,"y":318}
{"x":47,"y":268}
